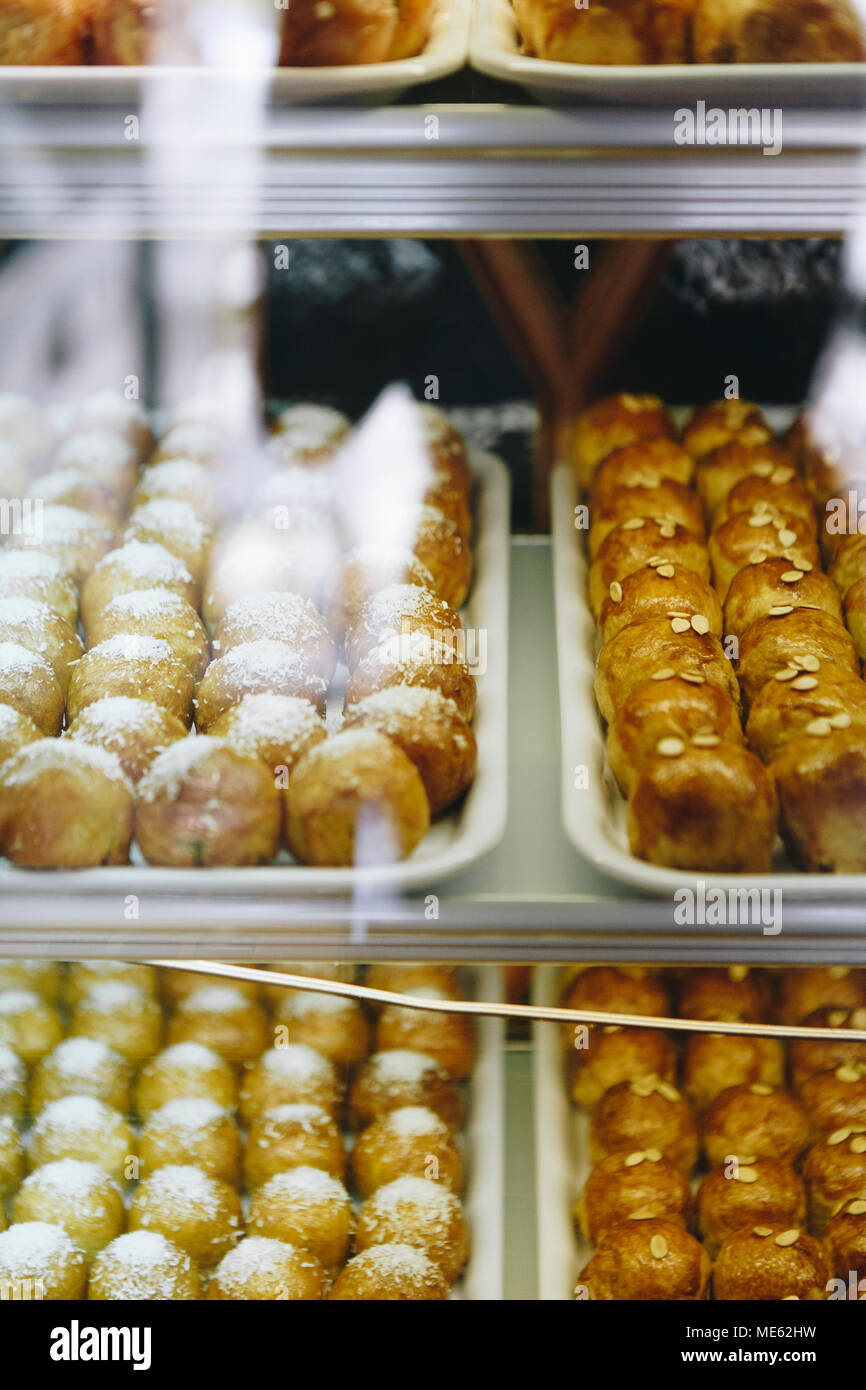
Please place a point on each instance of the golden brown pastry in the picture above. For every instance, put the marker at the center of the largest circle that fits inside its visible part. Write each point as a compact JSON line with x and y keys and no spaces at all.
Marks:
{"x":778,"y":31}
{"x":805,"y":989}
{"x":721,"y":422}
{"x":726,"y":467}
{"x":309,"y":434}
{"x":639,"y":1186}
{"x":402,"y":975}
{"x":653,"y":497}
{"x":138,"y":32}
{"x":64,"y":805}
{"x":28,"y":684}
{"x":688,"y":809}
{"x":620,"y":32}
{"x":775,"y":588}
{"x":191,"y":1129}
{"x":431,"y":732}
{"x":137,"y":667}
{"x":637,"y":463}
{"x":821,"y":783}
{"x":82,"y":1127}
{"x":102,"y":455}
{"x":715,"y":1061}
{"x":278,"y":729}
{"x":646,"y":1261}
{"x":855,"y":615}
{"x":39,"y":1255}
{"x":419,"y":661}
{"x":288,"y":1075}
{"x":33,"y":625}
{"x":836,"y":1098}
{"x":279,"y":617}
{"x":835,"y":1169}
{"x":366,"y":570}
{"x":806,"y":702}
{"x":41,"y":33}
{"x":77,"y":1196}
{"x":848,"y":565}
{"x":264,"y":667}
{"x":417,"y":1212}
{"x":739,"y":1196}
{"x":200,"y":1214}
{"x":32,"y":574}
{"x":203,"y":802}
{"x":333,"y":1024}
{"x":69,"y":487}
{"x":726,"y":995}
{"x":355,"y":799}
{"x":657,"y":650}
{"x":306,"y":1207}
{"x":750,"y":538}
{"x":143,"y":1265}
{"x":135,"y":731}
{"x":754,"y":1121}
{"x":781,"y":494}
{"x":28,"y":1024}
{"x":135,"y":565}
{"x":801,"y":643}
{"x":82,"y":975}
{"x":221,"y":1018}
{"x":196,"y":440}
{"x":293,"y":1136}
{"x":400,"y":1077}
{"x":659,"y":591}
{"x":440,"y":546}
{"x":349,"y":32}
{"x":613,"y":423}
{"x":122,"y":1015}
{"x":396,"y":615}
{"x":807,"y":1058}
{"x":178,"y":527}
{"x":614,"y":1054}
{"x":846,"y":1242}
{"x":254,"y":557}
{"x":612,"y":989}
{"x":647,"y":1113}
{"x":448,"y":1037}
{"x":768,"y":1264}
{"x":390,"y":1273}
{"x":187,"y":1069}
{"x":410,"y":1142}
{"x":638,"y":542}
{"x":43,"y":977}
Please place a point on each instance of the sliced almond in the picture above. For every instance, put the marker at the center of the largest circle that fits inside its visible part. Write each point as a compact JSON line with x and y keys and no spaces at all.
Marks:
{"x":792,"y":576}
{"x":805,"y":683}
{"x":667,"y":530}
{"x":757,"y":519}
{"x":818,"y":728}
{"x":635,"y":1160}
{"x":634,"y":523}
{"x":654,"y":1155}
{"x":858,"y":1145}
{"x":787,"y":537}
{"x":666,"y":571}
{"x":780,"y":610}
{"x":837,"y":1018}
{"x":786,"y":1238}
{"x":842,"y":720}
{"x":858,"y":1018}
{"x":791,"y":1298}
{"x":838,"y":1137}
{"x":700,"y":624}
{"x":757,"y":557}
{"x":616,"y":591}
{"x":762,"y":1231}
{"x":663,"y":674}
{"x":759,"y":1089}
{"x":839,"y":972}
{"x":645,"y":1213}
{"x":788,"y":673}
{"x":680,"y":624}
{"x":857,"y":1208}
{"x":762,"y":469}
{"x":781,"y":475}
{"x":737,"y":973}
{"x":745,"y":1174}
{"x":804,"y":565}
{"x":694,"y":678}
{"x":658,"y":1247}
{"x":808,"y":662}
{"x":643,"y":1086}
{"x":847,"y":1074}
{"x":669,"y":1092}
{"x":670,"y":747}
{"x":654,"y":561}
{"x":706,"y":740}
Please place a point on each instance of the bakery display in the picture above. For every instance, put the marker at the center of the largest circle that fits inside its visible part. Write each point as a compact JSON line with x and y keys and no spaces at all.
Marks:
{"x":632,"y":33}
{"x":749,"y":1147}
{"x":144,"y":610}
{"x":727,"y":679}
{"x":218,"y":1157}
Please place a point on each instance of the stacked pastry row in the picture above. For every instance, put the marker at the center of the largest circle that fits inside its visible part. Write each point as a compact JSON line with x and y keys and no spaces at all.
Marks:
{"x":350,"y":548}
{"x":638,"y":32}
{"x":138,"y":32}
{"x":167,"y":1136}
{"x":730,"y":1164}
{"x":713,"y":610}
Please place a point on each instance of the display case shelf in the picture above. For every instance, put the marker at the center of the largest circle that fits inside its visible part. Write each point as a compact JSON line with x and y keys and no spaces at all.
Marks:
{"x":533,"y":898}
{"x":458,"y":170}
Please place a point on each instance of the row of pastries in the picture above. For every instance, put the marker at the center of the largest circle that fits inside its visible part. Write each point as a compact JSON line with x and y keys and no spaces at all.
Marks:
{"x":720,"y":1165}
{"x":197,"y":580}
{"x":166,"y":1136}
{"x":729,"y":671}
{"x":646,"y":32}
{"x":139,"y":32}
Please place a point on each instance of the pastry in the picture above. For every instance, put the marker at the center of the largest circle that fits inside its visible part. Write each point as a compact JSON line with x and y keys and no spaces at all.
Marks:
{"x":651,"y":1260}
{"x":750,"y":538}
{"x":81,"y":1066}
{"x":613,"y":423}
{"x":420,"y":661}
{"x":135,"y":731}
{"x":76,"y":1195}
{"x":286,"y":1075}
{"x":716,"y":995}
{"x":39,"y":33}
{"x":390,"y":1273}
{"x":28,"y":1024}
{"x":135,"y":565}
{"x":633,"y":1187}
{"x":13,"y":1084}
{"x":402,"y":1077}
{"x":178,"y":527}
{"x":722,"y":422}
{"x":199,"y":1214}
{"x":352,"y":31}
{"x":410,"y":1142}
{"x":659,"y":591}
{"x":647,"y":1113}
{"x":64,"y":804}
{"x":614,"y":1054}
{"x":612,"y":989}
{"x":306,"y":1207}
{"x":36,"y":1255}
{"x":739,"y":1196}
{"x":846,"y":1242}
{"x":218,"y":1017}
{"x":804,"y":642}
{"x":122,"y":1015}
{"x":430,"y":731}
{"x":144,"y":1266}
{"x":417,"y":1212}
{"x":11,"y":1158}
{"x":651,"y":497}
{"x":715,"y":1061}
{"x":641,"y":541}
{"x":182,"y":480}
{"x":726,"y":466}
{"x":396,"y":615}
{"x":821,"y":782}
{"x":134,"y":33}
{"x":280,"y":617}
{"x":835,"y":1170}
{"x":194,"y":1130}
{"x":331,"y":1024}
{"x":131,"y":666}
{"x":778,"y":31}
{"x":82,"y":975}
{"x":448,"y":1037}
{"x":677,"y":710}
{"x":29,"y":685}
{"x":366,"y":570}
{"x":805,"y":989}
{"x":754,"y":1121}
{"x":75,"y":539}
{"x":70,"y":487}
{"x":292,"y":1136}
{"x":661,"y":458}
{"x":188,"y":1071}
{"x":82,"y":1127}
{"x":807,"y":1058}
{"x":112,"y":413}
{"x":35,"y":575}
{"x":656,"y":650}
{"x":855,"y":615}
{"x":769,"y":1264}
{"x":16,"y":731}
{"x":264,"y":667}
{"x":102,"y":455}
{"x":835,"y":1099}
{"x":265,"y":1270}
{"x":780,"y":493}
{"x":848,"y":565}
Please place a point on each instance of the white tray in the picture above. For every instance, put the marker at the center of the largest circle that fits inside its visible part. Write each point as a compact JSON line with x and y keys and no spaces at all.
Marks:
{"x":595,"y":817}
{"x":484,"y":1199}
{"x":453,"y":842}
{"x":363,"y":83}
{"x":561,"y":1153}
{"x":495,"y":50}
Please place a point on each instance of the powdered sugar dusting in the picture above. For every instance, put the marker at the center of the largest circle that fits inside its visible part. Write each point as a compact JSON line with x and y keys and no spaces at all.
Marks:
{"x":69,"y":1178}
{"x":189,"y":1056}
{"x":77,"y":1113}
{"x":414,"y":1122}
{"x":404,"y":1066}
{"x":142,"y":1265}
{"x":187,"y":1114}
{"x":114,"y":996}
{"x":83,"y":1057}
{"x":214,"y":999}
{"x":50,"y":754}
{"x":19,"y":1001}
{"x":435,"y":1204}
{"x":305,"y":1002}
{"x":307,"y":1187}
{"x":145,"y":560}
{"x":297,"y":1062}
{"x":29,"y":1248}
{"x":167,"y":774}
{"x":12,"y":1073}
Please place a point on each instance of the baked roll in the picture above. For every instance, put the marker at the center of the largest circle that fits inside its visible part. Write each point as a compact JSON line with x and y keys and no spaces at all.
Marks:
{"x":855,"y":615}
{"x":64,"y":805}
{"x":776,"y":587}
{"x":613,"y":989}
{"x":636,"y":464}
{"x":645,"y":1261}
{"x":182,"y":480}
{"x":43,"y":33}
{"x":718,"y":423}
{"x":658,"y":498}
{"x":135,"y":565}
{"x":780,"y":493}
{"x":848,"y":564}
{"x":264,"y":1270}
{"x":137,"y":32}
{"x":279,"y":617}
{"x":732,"y":463}
{"x":633,"y":544}
{"x":755,"y":1121}
{"x":767,"y":1264}
{"x":827,"y":467}
{"x":640,"y":1186}
{"x":255,"y":668}
{"x":690,"y":712}
{"x":793,"y":642}
{"x":659,"y":591}
{"x":278,"y":729}
{"x":835,"y":1170}
{"x":138,"y":667}
{"x":740,"y":1196}
{"x":616,"y":32}
{"x":69,"y":487}
{"x":36,"y":627}
{"x":821,"y":782}
{"x":396,"y":615}
{"x":364,"y":572}
{"x":808,"y":1058}
{"x":103,"y":455}
{"x":177,"y":526}
{"x":614,"y":422}
{"x":16,"y":731}
{"x":615,"y":1054}
{"x":76,"y":539}
{"x":646,"y":1113}
{"x":715,"y":994}
{"x":806,"y":989}
{"x":750,"y":538}
{"x":421,"y":1213}
{"x":423,"y":661}
{"x":31,"y":574}
{"x":309,"y":434}
{"x":804,"y":702}
{"x":158,"y":613}
{"x":834,"y":1099}
{"x":347,"y":32}
{"x":656,"y":650}
{"x":715,"y":1061}
{"x":28,"y":684}
{"x":431,"y":732}
{"x":391,"y":1273}
{"x":846,"y":1242}
{"x":778,"y":31}
{"x":688,"y":810}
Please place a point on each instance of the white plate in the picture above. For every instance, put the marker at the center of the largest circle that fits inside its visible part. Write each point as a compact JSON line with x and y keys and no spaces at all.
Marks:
{"x":454,"y":842}
{"x":595,"y":817}
{"x":561,"y":1153}
{"x":484,"y":1134}
{"x":446,"y":52}
{"x":495,"y":50}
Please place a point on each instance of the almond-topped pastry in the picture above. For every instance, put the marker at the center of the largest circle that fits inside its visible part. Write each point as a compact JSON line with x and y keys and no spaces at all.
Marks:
{"x":647,"y":1113}
{"x":657,"y":650}
{"x":768,"y":1264}
{"x":660,"y":458}
{"x":779,"y":493}
{"x":648,"y":496}
{"x":750,"y":538}
{"x":747,"y":1193}
{"x":641,"y":541}
{"x":685,"y":708}
{"x":614,"y":1054}
{"x":729,"y":464}
{"x":821,"y":782}
{"x":835,"y":1169}
{"x":690,"y":804}
{"x":807,"y":988}
{"x":715,"y":1061}
{"x":804,"y":699}
{"x":775,"y":588}
{"x":848,"y":565}
{"x":44,"y":33}
{"x":805,"y":642}
{"x":846,"y":1240}
{"x":649,"y":1260}
{"x":613,"y":989}
{"x":613,"y":423}
{"x":720,"y":422}
{"x":718,"y":994}
{"x":855,"y":615}
{"x":807,"y":1058}
{"x":638,"y":1186}
{"x":827,"y":465}
{"x":836,"y":1098}
{"x":755,"y":1120}
{"x":659,"y":591}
